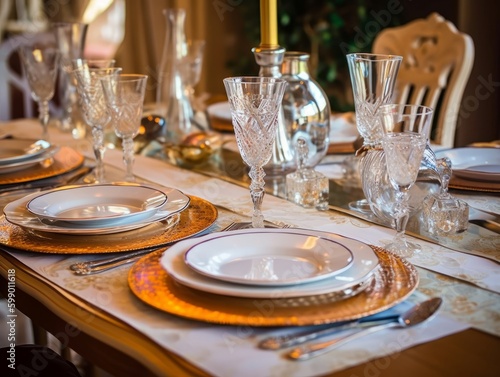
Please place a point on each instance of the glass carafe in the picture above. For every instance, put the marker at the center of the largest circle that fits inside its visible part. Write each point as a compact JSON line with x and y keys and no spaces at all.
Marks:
{"x":306,"y":107}
{"x":171,"y":94}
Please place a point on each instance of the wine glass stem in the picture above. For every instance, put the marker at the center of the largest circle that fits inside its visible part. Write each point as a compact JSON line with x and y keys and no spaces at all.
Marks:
{"x":257,"y":193}
{"x":128,"y":158}
{"x":99,"y":149}
{"x":43,"y":111}
{"x":402,"y":215}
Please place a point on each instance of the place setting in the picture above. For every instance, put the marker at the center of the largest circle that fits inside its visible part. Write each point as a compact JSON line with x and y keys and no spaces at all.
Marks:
{"x":26,"y":160}
{"x":103,"y":218}
{"x":306,"y":277}
{"x":272,"y":277}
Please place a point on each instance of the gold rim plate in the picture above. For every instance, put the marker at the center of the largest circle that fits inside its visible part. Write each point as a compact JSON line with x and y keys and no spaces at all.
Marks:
{"x":393,"y":282}
{"x":197,"y":217}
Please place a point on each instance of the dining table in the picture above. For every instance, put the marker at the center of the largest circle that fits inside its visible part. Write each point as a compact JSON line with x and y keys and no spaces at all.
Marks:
{"x":119,"y":321}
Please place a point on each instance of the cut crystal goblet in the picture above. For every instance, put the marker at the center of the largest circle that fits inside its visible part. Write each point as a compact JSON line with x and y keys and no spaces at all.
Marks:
{"x":254,"y":103}
{"x":41,"y":66}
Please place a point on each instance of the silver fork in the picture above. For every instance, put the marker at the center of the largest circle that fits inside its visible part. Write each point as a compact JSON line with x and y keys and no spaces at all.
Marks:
{"x":101,"y":265}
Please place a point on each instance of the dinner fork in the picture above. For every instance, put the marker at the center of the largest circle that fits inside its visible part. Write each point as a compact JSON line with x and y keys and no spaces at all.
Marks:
{"x":101,"y":265}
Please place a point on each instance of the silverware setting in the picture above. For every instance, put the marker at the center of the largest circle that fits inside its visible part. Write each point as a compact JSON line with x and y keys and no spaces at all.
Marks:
{"x":417,"y":314}
{"x":276,"y":342}
{"x":106,"y":264}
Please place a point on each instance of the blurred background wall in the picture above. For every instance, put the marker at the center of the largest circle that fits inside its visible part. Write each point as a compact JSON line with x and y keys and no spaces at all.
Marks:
{"x":324,"y":28}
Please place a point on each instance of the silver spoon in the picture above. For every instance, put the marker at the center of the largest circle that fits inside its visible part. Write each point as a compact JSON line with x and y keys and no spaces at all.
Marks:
{"x":414,"y":316}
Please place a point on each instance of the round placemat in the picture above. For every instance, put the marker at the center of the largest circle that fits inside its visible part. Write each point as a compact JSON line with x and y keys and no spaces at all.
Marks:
{"x":64,"y":160}
{"x":394,"y":281}
{"x":197,"y":217}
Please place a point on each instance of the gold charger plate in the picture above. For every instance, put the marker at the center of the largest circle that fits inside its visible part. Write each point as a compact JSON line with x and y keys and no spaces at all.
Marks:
{"x":394,"y":281}
{"x":64,"y":160}
{"x":197,"y":217}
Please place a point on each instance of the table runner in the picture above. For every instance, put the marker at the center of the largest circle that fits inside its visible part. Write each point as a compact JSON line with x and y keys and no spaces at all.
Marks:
{"x":208,"y":346}
{"x":475,"y":270}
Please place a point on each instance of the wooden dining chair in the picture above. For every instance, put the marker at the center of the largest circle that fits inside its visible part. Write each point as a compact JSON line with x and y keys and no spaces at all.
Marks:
{"x":437,"y":62}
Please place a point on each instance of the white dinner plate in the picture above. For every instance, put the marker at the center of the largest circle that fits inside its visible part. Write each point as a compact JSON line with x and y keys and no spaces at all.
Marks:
{"x":269,"y":259}
{"x":474,"y":163}
{"x":17,"y":214}
{"x":30,"y":162}
{"x":98,"y":205}
{"x":16,"y":150}
{"x":365,"y":262}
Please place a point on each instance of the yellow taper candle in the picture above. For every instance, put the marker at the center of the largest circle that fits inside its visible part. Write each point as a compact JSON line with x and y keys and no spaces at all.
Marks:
{"x":268,"y":24}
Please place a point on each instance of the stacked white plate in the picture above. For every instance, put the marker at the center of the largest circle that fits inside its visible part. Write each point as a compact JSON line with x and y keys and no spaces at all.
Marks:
{"x":271,"y":263}
{"x":19,"y":154}
{"x":95,"y":209}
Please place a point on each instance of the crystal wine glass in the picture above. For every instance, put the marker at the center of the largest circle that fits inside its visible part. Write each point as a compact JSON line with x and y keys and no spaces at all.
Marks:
{"x":373,"y":77}
{"x":405,"y":132}
{"x":254,"y":103}
{"x":95,"y":111}
{"x":41,"y":66}
{"x":124,"y":95}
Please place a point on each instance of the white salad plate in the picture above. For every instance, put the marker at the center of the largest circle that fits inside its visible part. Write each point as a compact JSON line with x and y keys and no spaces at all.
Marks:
{"x":29,"y":162}
{"x":364,"y":264}
{"x":269,"y":259}
{"x":474,"y":163}
{"x":17,"y":214}
{"x":16,"y":150}
{"x":98,"y":205}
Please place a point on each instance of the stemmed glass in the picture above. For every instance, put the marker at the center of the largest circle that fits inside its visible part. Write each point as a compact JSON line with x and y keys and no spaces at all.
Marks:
{"x":95,"y":111}
{"x":70,"y":39}
{"x":192,"y":64}
{"x":405,"y":132}
{"x":373,"y":77}
{"x":41,"y":66}
{"x":124,"y":95}
{"x":254,"y":103}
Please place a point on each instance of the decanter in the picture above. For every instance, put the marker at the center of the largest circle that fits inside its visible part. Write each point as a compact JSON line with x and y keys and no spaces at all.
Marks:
{"x":171,"y":95}
{"x":306,"y":107}
{"x":442,"y":213}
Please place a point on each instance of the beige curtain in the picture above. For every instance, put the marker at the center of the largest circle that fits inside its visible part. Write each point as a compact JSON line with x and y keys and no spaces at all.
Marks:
{"x":142,"y":47}
{"x":145,"y":23}
{"x":218,"y":22}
